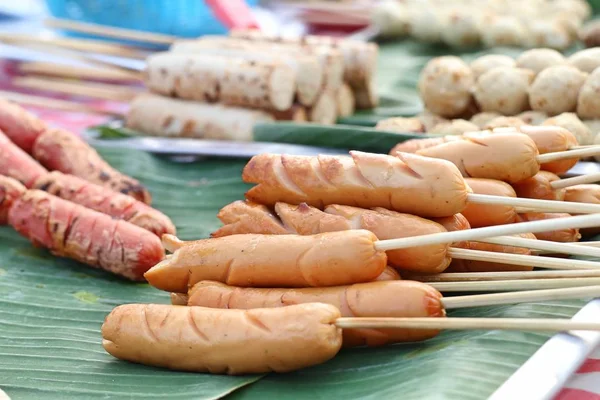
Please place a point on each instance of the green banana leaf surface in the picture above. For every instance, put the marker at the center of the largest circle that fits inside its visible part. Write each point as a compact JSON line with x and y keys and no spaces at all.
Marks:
{"x":51,"y":311}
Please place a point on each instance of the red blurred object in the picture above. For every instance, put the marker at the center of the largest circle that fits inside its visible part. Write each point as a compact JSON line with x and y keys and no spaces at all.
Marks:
{"x":234,"y":14}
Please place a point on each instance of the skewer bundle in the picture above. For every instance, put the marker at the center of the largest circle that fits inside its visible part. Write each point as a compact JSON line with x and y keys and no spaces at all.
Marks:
{"x":327,"y":260}
{"x":83,"y":209}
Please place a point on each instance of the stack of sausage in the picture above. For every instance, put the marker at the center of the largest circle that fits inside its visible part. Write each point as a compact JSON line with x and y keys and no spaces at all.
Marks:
{"x":465,"y":152}
{"x":540,"y":87}
{"x":84,"y":209}
{"x":218,"y":87}
{"x":468,"y":23}
{"x":306,"y":234}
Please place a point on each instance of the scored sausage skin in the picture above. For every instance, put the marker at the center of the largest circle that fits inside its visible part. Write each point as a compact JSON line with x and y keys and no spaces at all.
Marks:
{"x":482,"y":215}
{"x":509,"y":157}
{"x":407,"y":183}
{"x":21,"y":126}
{"x":59,"y":150}
{"x":388,"y":274}
{"x":70,"y":230}
{"x":327,"y":259}
{"x":539,"y":187}
{"x":17,"y":164}
{"x":233,"y":342}
{"x":404,"y":299}
{"x":106,"y":201}
{"x":562,"y":235}
{"x":10,"y":191}
{"x":246,"y":217}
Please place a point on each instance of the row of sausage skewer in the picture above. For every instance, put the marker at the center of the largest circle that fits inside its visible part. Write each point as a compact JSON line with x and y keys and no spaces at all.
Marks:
{"x":322,"y":232}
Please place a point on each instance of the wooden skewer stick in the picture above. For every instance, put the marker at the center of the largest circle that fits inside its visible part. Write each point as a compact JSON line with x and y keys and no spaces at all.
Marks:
{"x":91,"y":46}
{"x":535,"y":204}
{"x":579,"y":221}
{"x":109,"y":31}
{"x":510,"y":285}
{"x":561,"y":155}
{"x":506,"y":275}
{"x":55,"y":104}
{"x":483,"y":300}
{"x":576,"y":180}
{"x":545,"y":245}
{"x":520,"y":259}
{"x":512,"y":324}
{"x":71,"y":71}
{"x":97,"y":90}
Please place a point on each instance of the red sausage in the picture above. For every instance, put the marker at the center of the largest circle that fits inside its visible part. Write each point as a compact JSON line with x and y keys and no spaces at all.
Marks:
{"x":22,"y":127}
{"x":17,"y":164}
{"x":70,"y":230}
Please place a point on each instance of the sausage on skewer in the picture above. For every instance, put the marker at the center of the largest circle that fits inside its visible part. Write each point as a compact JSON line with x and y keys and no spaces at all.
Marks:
{"x":10,"y":190}
{"x":223,"y":341}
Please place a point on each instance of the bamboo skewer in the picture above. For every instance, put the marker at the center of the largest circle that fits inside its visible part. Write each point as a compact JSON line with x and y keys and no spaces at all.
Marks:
{"x":580,"y":221}
{"x":535,"y":204}
{"x":85,"y":45}
{"x":561,"y":155}
{"x":97,"y":90}
{"x":513,"y":324}
{"x":108,"y":31}
{"x":506,"y":275}
{"x":70,"y":71}
{"x":482,"y":300}
{"x":544,"y":245}
{"x":519,"y":259}
{"x":576,"y":180}
{"x":513,"y":285}
{"x":55,"y":104}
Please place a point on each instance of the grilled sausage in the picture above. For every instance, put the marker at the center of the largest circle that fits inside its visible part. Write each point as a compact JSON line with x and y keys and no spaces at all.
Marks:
{"x":21,"y":127}
{"x":17,"y":164}
{"x":407,"y":183}
{"x":327,"y":259}
{"x":509,"y":157}
{"x":10,"y":190}
{"x":404,"y":299}
{"x":70,"y":230}
{"x":230,"y":342}
{"x":95,"y":197}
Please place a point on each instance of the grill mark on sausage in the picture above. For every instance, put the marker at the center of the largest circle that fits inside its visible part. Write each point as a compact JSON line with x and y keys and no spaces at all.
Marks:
{"x":164,"y":320}
{"x":256,"y":322}
{"x":283,"y":177}
{"x":302,"y":270}
{"x":146,"y":326}
{"x":192,"y":323}
{"x":227,"y":271}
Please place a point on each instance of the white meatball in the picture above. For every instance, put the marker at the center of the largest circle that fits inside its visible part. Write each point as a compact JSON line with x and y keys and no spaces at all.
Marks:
{"x":445,"y":86}
{"x":539,"y":59}
{"x":454,"y":127}
{"x":555,"y":89}
{"x":503,"y":90}
{"x":429,"y":119}
{"x":547,"y":33}
{"x":392,"y":19}
{"x":483,"y":118}
{"x":588,"y":102}
{"x":504,"y":122}
{"x":426,"y":24}
{"x":482,"y":64}
{"x":462,"y":28}
{"x":533,"y":117}
{"x":503,"y":31}
{"x":573,"y":124}
{"x":400,"y":125}
{"x":586,"y":60}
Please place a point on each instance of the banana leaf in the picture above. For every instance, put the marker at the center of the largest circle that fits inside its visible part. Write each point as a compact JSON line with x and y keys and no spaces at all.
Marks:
{"x":51,"y":311}
{"x":350,"y":137}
